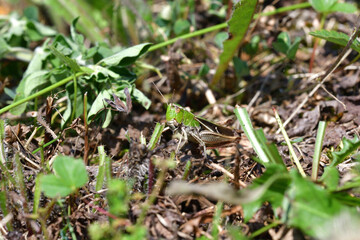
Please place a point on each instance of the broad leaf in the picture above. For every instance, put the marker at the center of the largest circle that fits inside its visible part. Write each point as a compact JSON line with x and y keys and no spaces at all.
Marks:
{"x":126,"y":56}
{"x":322,"y":5}
{"x":70,"y":174}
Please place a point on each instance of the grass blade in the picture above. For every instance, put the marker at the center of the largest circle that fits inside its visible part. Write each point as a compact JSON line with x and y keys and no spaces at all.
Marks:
{"x":250,"y":133}
{"x":155,"y":137}
{"x":318,"y":145}
{"x":101,"y":173}
{"x":288,"y":143}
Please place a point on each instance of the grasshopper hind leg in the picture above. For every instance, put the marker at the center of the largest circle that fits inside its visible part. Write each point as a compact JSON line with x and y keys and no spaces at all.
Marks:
{"x":196,"y":137}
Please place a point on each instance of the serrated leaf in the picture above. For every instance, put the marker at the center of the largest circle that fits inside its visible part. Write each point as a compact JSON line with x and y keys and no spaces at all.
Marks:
{"x":349,"y":146}
{"x":126,"y":56}
{"x":308,"y":206}
{"x":336,"y":37}
{"x":238,"y":26}
{"x":70,"y":174}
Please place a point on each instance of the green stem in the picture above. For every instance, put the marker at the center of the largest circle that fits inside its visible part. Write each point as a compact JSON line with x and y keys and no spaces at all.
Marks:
{"x":39,"y":93}
{"x":224,"y":25}
{"x":75,"y":97}
{"x":188,"y":35}
{"x":45,"y":145}
{"x":264,"y":229}
{"x":284,"y":9}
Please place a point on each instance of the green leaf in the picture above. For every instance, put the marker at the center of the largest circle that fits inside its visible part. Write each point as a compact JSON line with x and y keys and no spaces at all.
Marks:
{"x":343,"y":7}
{"x":155,"y":137}
{"x":252,"y":47}
{"x":220,"y":38}
{"x":36,"y":63}
{"x":118,"y":197}
{"x":349,"y":146}
{"x":204,"y":69}
{"x":35,"y":80}
{"x":126,"y":56}
{"x":4,"y":47}
{"x":71,"y":63}
{"x":21,"y":108}
{"x":267,"y":153}
{"x":282,"y":43}
{"x":293,"y":49}
{"x":337,"y":38}
{"x":68,"y":110}
{"x":141,"y":98}
{"x":241,"y":68}
{"x":77,"y":38}
{"x":308,"y":206}
{"x":322,"y":5}
{"x":278,"y":180}
{"x":238,"y":26}
{"x":31,"y":13}
{"x":181,"y":26}
{"x":52,"y":186}
{"x":44,"y":30}
{"x":330,"y":178}
{"x":70,"y":174}
{"x":99,"y":103}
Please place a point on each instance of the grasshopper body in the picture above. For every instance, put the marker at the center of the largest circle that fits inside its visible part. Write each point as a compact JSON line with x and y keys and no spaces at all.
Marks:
{"x":198,"y":130}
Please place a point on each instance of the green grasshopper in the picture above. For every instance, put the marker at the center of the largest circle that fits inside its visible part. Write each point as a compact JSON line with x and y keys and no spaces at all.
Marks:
{"x":197,"y":129}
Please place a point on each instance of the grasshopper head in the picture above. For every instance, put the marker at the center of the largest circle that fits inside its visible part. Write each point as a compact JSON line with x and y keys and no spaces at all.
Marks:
{"x":173,"y":112}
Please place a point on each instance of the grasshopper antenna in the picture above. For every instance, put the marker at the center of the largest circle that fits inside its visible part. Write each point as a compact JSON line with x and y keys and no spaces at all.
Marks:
{"x":160,"y":93}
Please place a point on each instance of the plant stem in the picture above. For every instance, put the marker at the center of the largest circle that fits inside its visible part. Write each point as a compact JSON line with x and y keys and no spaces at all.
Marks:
{"x":264,"y":229}
{"x":73,"y":115}
{"x":86,"y":133}
{"x":41,"y":92}
{"x":224,"y":25}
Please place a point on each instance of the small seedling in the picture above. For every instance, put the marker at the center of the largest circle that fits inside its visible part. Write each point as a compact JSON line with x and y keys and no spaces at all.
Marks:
{"x":70,"y":174}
